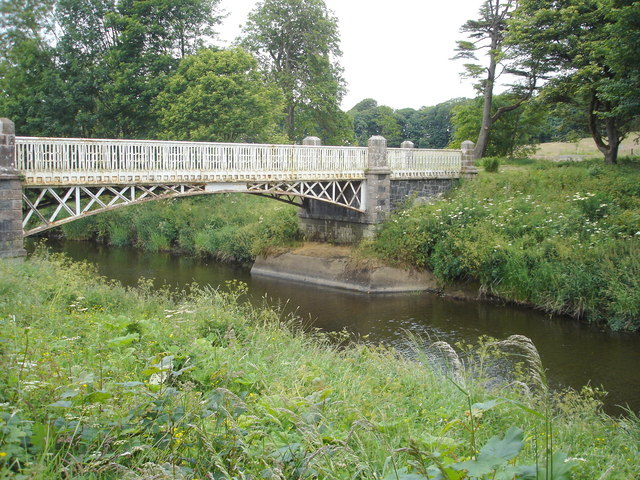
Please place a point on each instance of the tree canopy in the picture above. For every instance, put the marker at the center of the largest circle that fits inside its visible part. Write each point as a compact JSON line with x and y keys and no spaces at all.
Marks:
{"x":297,"y":42}
{"x":487,"y":33}
{"x":218,"y":96}
{"x":587,"y":50}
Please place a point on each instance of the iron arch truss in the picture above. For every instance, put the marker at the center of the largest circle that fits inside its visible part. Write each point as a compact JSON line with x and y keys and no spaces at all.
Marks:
{"x":51,"y":206}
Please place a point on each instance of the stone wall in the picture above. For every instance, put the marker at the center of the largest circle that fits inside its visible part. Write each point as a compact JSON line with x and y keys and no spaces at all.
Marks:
{"x":403,"y":190}
{"x":11,"y":244}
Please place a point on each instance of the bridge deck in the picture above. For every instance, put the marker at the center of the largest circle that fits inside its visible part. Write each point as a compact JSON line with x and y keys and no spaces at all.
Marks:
{"x":94,"y":162}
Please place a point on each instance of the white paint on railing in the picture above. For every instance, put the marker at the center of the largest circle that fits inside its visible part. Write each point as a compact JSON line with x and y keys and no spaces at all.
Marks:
{"x":424,"y":163}
{"x":68,"y":161}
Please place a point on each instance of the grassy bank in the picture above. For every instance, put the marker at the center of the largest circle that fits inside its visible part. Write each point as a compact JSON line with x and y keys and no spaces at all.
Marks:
{"x":563,"y":237}
{"x":225,"y":226}
{"x":98,"y":381}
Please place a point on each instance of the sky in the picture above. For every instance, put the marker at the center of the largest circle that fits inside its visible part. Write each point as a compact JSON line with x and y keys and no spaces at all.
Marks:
{"x":394,"y":51}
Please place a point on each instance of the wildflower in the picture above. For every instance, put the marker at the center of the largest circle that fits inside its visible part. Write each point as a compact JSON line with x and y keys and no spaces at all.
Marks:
{"x":3,"y":454}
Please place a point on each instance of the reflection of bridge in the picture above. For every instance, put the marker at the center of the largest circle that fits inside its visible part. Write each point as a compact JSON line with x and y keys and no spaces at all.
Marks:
{"x":52,"y":181}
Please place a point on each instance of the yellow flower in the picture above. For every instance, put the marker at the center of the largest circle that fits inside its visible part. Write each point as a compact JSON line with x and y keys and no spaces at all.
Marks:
{"x":3,"y":454}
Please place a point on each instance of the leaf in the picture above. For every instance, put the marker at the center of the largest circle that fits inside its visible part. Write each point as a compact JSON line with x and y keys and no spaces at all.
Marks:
{"x":503,"y":449}
{"x":61,"y":404}
{"x":123,"y":341}
{"x":98,"y":396}
{"x":403,"y":475}
{"x":495,"y":454}
{"x":483,"y":407}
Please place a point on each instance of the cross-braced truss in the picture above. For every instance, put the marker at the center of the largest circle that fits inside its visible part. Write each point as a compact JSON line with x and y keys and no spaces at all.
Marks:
{"x":346,"y":194}
{"x":48,"y":207}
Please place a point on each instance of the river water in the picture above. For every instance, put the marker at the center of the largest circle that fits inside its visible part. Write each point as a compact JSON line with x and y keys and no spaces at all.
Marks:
{"x":573,"y":354}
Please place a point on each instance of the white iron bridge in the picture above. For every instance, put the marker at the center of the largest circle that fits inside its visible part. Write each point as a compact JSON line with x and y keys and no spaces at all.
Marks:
{"x":66,"y":178}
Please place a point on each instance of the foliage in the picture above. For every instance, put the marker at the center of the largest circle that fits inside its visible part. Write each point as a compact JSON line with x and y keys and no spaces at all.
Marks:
{"x":371,"y":119}
{"x":428,"y":127}
{"x":218,"y":96}
{"x":297,"y":42}
{"x":562,"y":237}
{"x":229,"y":227}
{"x":491,"y":164}
{"x":98,"y":381}
{"x":488,"y":33}
{"x":94,"y":67}
{"x":585,"y":50}
{"x":513,"y":135}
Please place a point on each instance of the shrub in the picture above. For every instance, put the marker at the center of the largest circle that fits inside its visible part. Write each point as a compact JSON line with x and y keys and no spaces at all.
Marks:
{"x":491,"y":164}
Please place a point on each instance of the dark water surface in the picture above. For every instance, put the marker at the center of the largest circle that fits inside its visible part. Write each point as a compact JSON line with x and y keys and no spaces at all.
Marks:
{"x":573,"y":354}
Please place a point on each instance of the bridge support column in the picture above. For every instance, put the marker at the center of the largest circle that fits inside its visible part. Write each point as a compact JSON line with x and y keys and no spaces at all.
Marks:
{"x":11,"y":238}
{"x":469,"y":169}
{"x":324,"y":222}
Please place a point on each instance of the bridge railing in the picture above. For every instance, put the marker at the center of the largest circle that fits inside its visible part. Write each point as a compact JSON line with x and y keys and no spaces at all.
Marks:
{"x":424,"y":163}
{"x":68,"y":161}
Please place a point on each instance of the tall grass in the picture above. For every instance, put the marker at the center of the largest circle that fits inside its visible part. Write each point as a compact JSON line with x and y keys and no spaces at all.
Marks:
{"x":228,"y":227}
{"x":563,"y":237}
{"x":102,"y":382}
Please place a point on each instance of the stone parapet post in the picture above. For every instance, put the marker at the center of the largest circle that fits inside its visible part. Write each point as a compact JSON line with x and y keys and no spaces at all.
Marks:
{"x":469,"y":169}
{"x":11,"y":237}
{"x":377,"y":193}
{"x":312,"y":141}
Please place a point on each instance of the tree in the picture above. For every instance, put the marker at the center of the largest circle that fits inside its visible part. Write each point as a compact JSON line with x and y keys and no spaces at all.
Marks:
{"x":587,"y":49}
{"x":370,"y":119}
{"x":428,"y":127}
{"x":488,"y":33}
{"x":27,"y":72}
{"x":118,"y":55}
{"x":94,"y":67}
{"x":297,"y":42}
{"x":517,"y":129}
{"x":218,"y":96}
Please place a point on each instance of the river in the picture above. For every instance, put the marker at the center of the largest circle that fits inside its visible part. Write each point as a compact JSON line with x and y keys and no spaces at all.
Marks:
{"x":573,"y":354}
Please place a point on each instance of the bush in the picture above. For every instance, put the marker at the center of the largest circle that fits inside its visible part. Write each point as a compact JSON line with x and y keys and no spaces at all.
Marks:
{"x":229,"y":227}
{"x":560,"y":238}
{"x":491,"y":164}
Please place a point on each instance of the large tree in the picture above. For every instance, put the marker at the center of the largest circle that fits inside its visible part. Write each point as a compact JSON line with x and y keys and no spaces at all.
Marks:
{"x":588,"y":50}
{"x":94,"y":67}
{"x":517,"y":130}
{"x":487,"y":34}
{"x":370,"y":119}
{"x":297,"y":42}
{"x":218,"y":96}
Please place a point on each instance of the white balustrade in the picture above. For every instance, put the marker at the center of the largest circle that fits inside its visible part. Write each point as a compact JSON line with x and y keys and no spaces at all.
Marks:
{"x":424,"y":163}
{"x":68,"y":161}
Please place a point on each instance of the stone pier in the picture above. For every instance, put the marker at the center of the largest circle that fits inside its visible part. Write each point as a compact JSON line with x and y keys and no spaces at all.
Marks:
{"x":11,"y":240}
{"x":324,"y":222}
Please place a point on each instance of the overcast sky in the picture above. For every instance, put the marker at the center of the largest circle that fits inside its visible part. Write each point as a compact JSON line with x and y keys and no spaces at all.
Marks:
{"x":395,"y":51}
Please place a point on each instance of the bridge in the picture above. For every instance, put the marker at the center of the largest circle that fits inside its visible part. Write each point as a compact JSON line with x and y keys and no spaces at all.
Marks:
{"x":343,"y":192}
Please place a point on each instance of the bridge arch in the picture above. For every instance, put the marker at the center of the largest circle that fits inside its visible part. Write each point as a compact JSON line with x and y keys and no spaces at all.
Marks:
{"x":50,"y":207}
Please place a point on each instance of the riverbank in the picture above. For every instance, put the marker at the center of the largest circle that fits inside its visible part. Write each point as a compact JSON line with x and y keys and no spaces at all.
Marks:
{"x":100,"y":381}
{"x":564,"y":238}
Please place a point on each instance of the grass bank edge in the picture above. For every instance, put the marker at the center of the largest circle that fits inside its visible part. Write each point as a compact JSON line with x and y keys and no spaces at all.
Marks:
{"x":101,"y":381}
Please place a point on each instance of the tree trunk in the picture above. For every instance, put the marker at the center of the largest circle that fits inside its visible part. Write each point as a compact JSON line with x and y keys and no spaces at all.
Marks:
{"x":290,"y":121}
{"x":487,"y":122}
{"x":610,"y":148}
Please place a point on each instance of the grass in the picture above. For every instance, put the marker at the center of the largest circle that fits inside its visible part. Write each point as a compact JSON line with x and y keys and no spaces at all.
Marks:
{"x":585,"y":147}
{"x":229,"y":227}
{"x":102,"y":382}
{"x":562,"y":237}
